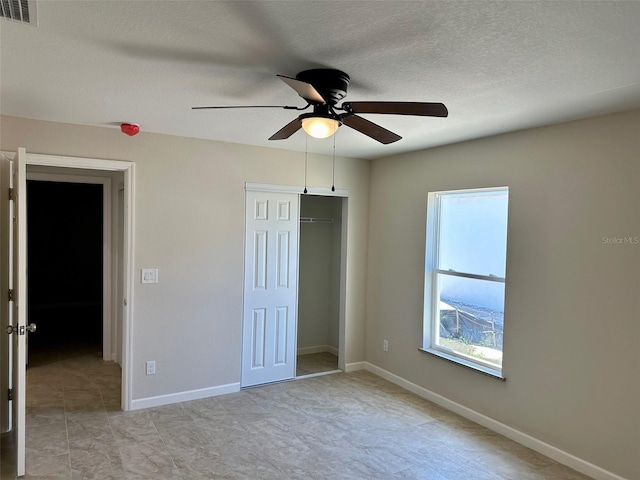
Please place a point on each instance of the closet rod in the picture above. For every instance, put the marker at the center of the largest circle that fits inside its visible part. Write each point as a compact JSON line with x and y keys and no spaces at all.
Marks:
{"x":315,"y":220}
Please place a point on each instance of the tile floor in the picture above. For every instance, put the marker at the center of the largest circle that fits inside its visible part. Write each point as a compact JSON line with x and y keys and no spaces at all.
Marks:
{"x":342,"y":426}
{"x":316,"y":363}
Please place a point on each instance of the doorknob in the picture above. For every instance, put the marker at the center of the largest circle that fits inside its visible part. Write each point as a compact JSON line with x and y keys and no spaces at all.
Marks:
{"x":31,"y":328}
{"x":21,"y":329}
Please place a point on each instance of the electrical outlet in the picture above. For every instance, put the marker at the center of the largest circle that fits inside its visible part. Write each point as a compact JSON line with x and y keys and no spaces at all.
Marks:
{"x":151,"y":367}
{"x":385,"y":345}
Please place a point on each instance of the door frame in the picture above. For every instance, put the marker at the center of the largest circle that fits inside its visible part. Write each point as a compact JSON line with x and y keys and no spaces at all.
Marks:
{"x":325,"y":192}
{"x":128,"y":169}
{"x":108,"y":302}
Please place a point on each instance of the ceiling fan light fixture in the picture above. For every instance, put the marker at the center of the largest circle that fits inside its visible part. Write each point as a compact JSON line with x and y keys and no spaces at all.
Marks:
{"x":320,"y":127}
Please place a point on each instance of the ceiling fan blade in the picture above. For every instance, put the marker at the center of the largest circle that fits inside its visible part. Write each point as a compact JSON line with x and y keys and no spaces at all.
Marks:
{"x":398,"y":108}
{"x":370,"y":129}
{"x":288,"y":130}
{"x":286,"y":107}
{"x":304,"y":89}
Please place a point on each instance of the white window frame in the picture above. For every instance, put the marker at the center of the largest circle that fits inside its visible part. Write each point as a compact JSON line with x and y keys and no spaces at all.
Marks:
{"x":431,"y":323}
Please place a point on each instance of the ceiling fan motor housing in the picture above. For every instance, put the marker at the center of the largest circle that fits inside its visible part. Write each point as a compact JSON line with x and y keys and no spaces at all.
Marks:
{"x":331,"y":84}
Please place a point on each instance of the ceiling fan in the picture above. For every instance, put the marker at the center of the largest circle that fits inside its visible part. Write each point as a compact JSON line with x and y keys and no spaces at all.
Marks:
{"x":322,"y":89}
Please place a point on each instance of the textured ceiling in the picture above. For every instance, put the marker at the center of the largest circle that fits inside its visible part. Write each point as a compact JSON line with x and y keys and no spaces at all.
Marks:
{"x":498,"y":66}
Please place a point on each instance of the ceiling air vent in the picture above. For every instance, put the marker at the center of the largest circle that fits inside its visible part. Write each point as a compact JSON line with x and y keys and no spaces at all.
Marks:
{"x":20,"y":10}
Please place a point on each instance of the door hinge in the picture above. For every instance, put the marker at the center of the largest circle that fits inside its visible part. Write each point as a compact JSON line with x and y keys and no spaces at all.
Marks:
{"x":12,"y":195}
{"x":11,"y":296}
{"x":10,"y":394}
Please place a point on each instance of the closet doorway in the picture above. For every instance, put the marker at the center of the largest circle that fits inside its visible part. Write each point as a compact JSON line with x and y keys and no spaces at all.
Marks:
{"x":320,"y":255}
{"x":294,"y":283}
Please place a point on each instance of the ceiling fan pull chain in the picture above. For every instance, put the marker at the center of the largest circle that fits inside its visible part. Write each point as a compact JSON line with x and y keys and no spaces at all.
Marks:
{"x":306,"y":153}
{"x":333,"y":179}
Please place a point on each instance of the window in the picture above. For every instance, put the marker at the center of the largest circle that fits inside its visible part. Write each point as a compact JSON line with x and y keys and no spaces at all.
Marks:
{"x":465,"y":276}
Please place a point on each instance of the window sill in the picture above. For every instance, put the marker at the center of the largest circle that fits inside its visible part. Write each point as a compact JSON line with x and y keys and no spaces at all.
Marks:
{"x":461,"y":361}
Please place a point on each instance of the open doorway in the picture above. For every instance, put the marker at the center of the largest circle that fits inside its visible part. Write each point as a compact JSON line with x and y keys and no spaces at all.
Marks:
{"x":74,"y":280}
{"x":319,"y":287}
{"x":72,"y":250}
{"x":65,"y":233}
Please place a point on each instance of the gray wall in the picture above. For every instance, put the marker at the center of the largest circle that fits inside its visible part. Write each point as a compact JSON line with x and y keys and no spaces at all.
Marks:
{"x":571,"y":354}
{"x":190,"y":225}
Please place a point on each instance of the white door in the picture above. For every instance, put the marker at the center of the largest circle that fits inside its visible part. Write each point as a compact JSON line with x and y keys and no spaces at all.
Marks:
{"x":18,"y":331}
{"x":6,"y":235}
{"x":270,"y":287}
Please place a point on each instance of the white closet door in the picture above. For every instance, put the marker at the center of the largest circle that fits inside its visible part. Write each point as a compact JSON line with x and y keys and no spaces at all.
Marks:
{"x":270,"y":287}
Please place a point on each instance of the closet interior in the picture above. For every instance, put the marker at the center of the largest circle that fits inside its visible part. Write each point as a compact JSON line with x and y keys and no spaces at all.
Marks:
{"x":319,"y":284}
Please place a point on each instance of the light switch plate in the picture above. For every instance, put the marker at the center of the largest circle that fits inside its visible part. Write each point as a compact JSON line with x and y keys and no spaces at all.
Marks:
{"x":150,"y":367}
{"x":149,"y":275}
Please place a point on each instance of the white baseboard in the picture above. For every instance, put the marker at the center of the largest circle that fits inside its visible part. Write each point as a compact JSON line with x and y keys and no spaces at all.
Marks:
{"x":140,"y":403}
{"x":352,"y":367}
{"x":318,"y":349}
{"x":516,"y":435}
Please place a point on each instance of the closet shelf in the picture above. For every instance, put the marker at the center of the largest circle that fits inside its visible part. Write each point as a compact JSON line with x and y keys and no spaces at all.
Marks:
{"x":315,"y":220}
